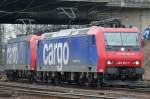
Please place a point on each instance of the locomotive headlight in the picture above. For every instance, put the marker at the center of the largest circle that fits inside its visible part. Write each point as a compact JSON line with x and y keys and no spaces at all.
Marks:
{"x":108,"y":62}
{"x":122,"y":49}
{"x":137,"y":62}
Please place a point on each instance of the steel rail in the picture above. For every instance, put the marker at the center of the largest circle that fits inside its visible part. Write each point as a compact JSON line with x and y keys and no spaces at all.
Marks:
{"x":58,"y":91}
{"x":40,"y":92}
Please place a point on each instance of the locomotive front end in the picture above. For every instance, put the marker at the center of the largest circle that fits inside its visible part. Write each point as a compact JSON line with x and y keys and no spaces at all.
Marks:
{"x":123,"y":60}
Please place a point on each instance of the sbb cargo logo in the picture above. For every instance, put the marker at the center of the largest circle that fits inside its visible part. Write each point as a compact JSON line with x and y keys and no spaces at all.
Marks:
{"x":56,"y":54}
{"x":12,"y":55}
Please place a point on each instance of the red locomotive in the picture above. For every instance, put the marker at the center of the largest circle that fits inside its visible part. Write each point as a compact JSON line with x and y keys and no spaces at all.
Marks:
{"x":120,"y":53}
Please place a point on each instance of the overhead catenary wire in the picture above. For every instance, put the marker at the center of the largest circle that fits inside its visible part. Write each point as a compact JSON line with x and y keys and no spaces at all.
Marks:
{"x":30,"y":3}
{"x":39,"y":6}
{"x":25,"y":9}
{"x":12,"y":2}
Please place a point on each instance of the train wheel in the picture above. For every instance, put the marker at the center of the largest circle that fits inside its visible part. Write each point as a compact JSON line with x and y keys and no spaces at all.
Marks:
{"x":57,"y":78}
{"x":56,"y":81}
{"x":8,"y":73}
{"x":82,"y":79}
{"x":140,"y":77}
{"x":76,"y":78}
{"x":100,"y":80}
{"x":30,"y":76}
{"x":14,"y":75}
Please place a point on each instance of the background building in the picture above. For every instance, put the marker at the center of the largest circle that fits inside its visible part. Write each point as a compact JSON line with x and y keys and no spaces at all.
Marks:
{"x":133,"y":12}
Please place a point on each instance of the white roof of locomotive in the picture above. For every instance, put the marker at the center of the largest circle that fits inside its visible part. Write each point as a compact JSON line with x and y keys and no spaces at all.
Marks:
{"x":67,"y":32}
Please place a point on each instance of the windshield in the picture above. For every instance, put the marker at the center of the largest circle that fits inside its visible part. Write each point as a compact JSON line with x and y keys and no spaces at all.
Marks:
{"x":124,"y":41}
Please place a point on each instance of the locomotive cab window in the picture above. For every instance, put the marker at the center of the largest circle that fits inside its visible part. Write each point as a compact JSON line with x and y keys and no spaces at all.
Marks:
{"x":121,"y":41}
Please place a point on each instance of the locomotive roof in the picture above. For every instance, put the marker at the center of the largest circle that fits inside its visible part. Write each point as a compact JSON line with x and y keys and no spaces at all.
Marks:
{"x":84,"y":31}
{"x":18,"y":39}
{"x":67,"y":32}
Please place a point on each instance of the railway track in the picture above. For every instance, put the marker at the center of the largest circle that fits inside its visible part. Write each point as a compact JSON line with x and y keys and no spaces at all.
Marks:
{"x":59,"y":93}
{"x":66,"y":95}
{"x":15,"y":88}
